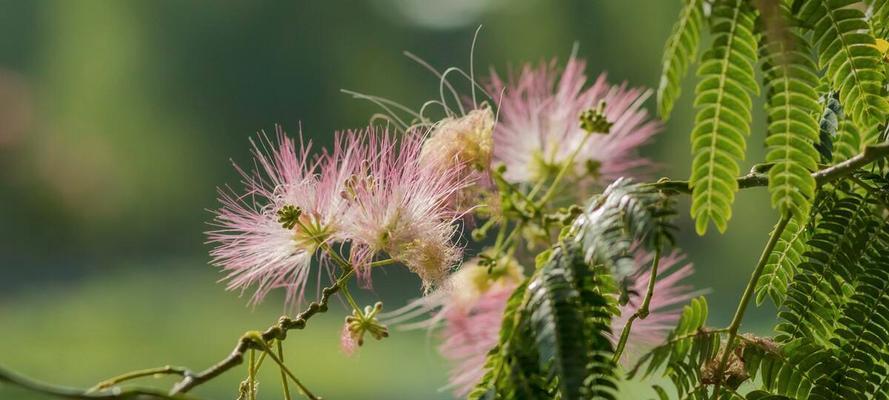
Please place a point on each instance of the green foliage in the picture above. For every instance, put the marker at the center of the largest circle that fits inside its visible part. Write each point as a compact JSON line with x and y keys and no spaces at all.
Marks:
{"x":626,"y":213}
{"x":763,"y":395}
{"x":862,"y":330}
{"x":848,"y":142}
{"x":554,"y":339}
{"x":680,"y":51}
{"x":792,"y":103}
{"x":879,"y":17}
{"x":847,"y":53}
{"x":789,"y":371}
{"x":781,"y":266}
{"x":724,"y":113}
{"x":832,"y":262}
{"x":688,"y":347}
{"x":831,"y":115}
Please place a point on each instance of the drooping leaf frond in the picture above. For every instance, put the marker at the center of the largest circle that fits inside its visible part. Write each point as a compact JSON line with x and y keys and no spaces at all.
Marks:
{"x":781,"y":266}
{"x":724,"y":107}
{"x":512,"y":367}
{"x":862,"y":331}
{"x":792,"y":103}
{"x":554,"y":338}
{"x":567,"y":345}
{"x":848,"y":56}
{"x":680,"y":51}
{"x":790,"y":371}
{"x":832,"y":262}
{"x":626,"y":213}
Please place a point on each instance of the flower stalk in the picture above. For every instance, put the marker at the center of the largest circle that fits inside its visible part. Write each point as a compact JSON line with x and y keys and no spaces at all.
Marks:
{"x":642,"y":312}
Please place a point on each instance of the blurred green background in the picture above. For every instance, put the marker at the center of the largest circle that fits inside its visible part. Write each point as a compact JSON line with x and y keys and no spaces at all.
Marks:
{"x":118,"y":120}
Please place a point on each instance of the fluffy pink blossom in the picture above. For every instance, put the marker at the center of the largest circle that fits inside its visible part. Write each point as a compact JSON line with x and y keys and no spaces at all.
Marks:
{"x":402,"y":207}
{"x":665,"y":306}
{"x":252,"y":246}
{"x":539,"y":123}
{"x":464,"y":144}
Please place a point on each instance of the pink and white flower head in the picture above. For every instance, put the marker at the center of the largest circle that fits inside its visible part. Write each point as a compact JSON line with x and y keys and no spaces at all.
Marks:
{"x":464,"y":144}
{"x":469,"y":309}
{"x":401,"y":207}
{"x":252,"y":246}
{"x":665,"y":307}
{"x":461,"y":142}
{"x":539,"y":124}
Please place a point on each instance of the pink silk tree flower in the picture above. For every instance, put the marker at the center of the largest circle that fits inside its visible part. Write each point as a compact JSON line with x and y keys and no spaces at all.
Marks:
{"x":469,"y":310}
{"x":539,"y":125}
{"x":402,"y":208}
{"x":253,"y":246}
{"x":466,"y":145}
{"x":665,"y":308}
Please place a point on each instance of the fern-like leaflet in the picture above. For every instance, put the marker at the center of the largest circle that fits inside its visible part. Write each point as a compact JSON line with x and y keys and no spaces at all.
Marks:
{"x":680,"y":51}
{"x":862,"y":331}
{"x":626,"y":213}
{"x":832,"y":262}
{"x":790,"y":371}
{"x":554,"y":338}
{"x":791,"y":107}
{"x":781,"y":266}
{"x":847,"y":53}
{"x":724,"y":113}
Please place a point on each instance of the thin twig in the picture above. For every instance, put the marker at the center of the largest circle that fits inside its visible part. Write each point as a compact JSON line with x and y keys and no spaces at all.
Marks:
{"x":260,"y":342}
{"x":79,"y":394}
{"x":277,"y":331}
{"x":640,"y":313}
{"x":165,"y":370}
{"x":822,"y":177}
{"x":283,"y":375}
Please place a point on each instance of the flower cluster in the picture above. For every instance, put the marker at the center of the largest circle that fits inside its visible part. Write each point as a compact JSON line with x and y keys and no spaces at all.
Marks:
{"x":373,"y":191}
{"x":403,"y":196}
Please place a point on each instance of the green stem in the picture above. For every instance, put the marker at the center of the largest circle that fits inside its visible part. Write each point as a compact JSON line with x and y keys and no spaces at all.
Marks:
{"x":165,"y":370}
{"x":501,"y":234}
{"x":640,"y":313}
{"x":350,"y":299}
{"x":748,"y":293}
{"x":569,"y":164}
{"x":251,"y":373}
{"x":382,"y":263}
{"x":283,"y":375}
{"x":345,"y":265}
{"x":11,"y":378}
{"x":305,"y":391}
